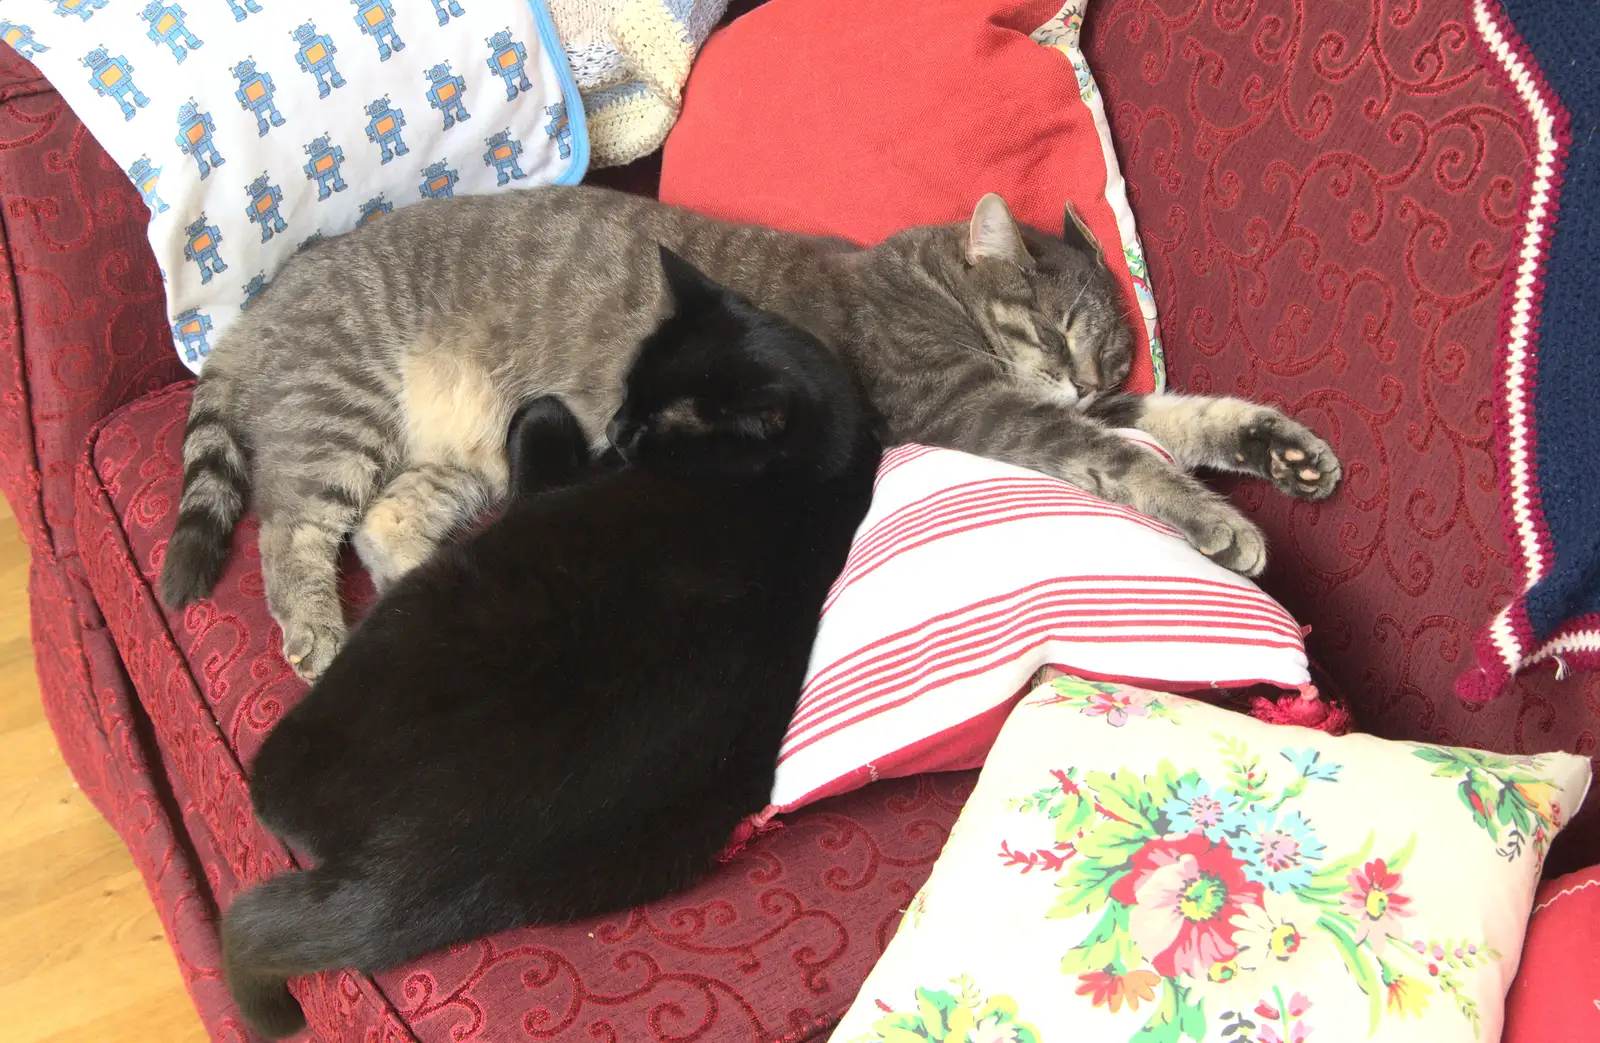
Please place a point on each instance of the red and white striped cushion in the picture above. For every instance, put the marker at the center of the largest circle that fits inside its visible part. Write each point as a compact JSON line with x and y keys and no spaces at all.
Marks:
{"x":966,"y":577}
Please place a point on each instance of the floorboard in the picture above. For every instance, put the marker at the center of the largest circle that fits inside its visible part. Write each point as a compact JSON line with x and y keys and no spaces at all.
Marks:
{"x":82,"y":954}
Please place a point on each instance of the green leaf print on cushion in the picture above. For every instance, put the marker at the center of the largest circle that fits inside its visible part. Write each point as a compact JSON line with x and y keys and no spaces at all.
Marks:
{"x":1115,"y":703}
{"x":959,"y":1016}
{"x":1505,"y":795}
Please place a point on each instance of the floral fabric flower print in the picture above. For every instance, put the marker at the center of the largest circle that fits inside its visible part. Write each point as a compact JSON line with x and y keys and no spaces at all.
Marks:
{"x":1183,"y":893}
{"x":1309,"y":763}
{"x":1194,"y":808}
{"x":959,"y":1014}
{"x":1375,"y":903}
{"x":1281,"y":1020}
{"x":1264,"y":939}
{"x":1116,"y":707}
{"x":1278,"y":850}
{"x":1193,"y":888}
{"x":1405,"y":996}
{"x":1114,"y":990}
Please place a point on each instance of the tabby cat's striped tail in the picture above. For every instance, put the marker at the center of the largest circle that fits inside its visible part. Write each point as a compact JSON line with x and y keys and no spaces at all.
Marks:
{"x":215,"y":481}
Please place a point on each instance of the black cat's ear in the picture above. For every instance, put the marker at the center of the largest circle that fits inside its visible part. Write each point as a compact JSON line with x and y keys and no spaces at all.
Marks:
{"x":688,"y":285}
{"x":1075,"y":233}
{"x":545,"y":446}
{"x":993,"y":234}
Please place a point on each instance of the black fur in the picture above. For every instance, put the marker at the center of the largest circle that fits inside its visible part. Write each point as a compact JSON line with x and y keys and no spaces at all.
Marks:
{"x":569,"y":713}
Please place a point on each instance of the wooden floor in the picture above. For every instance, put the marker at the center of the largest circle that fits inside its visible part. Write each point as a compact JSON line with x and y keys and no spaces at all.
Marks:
{"x":82,"y":955}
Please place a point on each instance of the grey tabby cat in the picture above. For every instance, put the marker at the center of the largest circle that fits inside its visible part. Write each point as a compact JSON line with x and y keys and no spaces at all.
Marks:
{"x":369,"y":388}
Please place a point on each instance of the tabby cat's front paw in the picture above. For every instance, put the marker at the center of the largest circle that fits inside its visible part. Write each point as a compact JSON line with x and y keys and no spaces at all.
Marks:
{"x":1228,"y":538}
{"x":1290,"y":456}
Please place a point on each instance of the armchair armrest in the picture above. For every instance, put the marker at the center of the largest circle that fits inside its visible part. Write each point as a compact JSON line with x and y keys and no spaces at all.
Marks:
{"x":82,"y":321}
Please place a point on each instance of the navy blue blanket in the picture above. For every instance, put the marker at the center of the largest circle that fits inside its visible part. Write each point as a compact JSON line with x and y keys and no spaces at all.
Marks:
{"x":1548,"y":399}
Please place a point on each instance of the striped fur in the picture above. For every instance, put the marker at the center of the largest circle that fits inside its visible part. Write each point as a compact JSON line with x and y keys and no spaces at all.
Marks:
{"x":215,"y":481}
{"x":366,"y":392}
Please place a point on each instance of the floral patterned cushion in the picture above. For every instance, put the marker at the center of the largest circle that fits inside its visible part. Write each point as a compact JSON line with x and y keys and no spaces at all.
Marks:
{"x":1144,"y":867}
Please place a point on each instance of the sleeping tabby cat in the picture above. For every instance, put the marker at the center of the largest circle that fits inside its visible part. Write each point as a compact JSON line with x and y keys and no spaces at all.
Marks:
{"x":570,"y":712}
{"x":368,"y":388}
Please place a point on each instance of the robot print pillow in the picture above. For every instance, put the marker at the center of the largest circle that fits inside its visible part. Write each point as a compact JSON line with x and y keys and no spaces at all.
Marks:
{"x":252,"y":127}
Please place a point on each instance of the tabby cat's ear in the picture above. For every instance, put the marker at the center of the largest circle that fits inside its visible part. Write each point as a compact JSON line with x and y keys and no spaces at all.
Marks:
{"x":993,"y":234}
{"x":689,"y":286}
{"x":1075,"y":233}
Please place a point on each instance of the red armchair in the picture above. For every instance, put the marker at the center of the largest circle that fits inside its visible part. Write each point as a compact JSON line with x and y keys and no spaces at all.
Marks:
{"x":1379,"y":328}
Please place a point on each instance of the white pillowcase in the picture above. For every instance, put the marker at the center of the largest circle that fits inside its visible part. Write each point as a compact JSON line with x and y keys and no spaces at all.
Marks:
{"x":253,"y":127}
{"x":966,"y":577}
{"x":1196,"y":874}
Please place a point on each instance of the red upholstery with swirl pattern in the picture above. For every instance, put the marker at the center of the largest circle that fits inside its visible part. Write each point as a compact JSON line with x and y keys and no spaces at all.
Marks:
{"x":774,"y":945}
{"x":1326,"y":196}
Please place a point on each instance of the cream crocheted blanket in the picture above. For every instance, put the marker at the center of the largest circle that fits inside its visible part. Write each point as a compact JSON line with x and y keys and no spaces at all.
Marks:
{"x":631,"y":59}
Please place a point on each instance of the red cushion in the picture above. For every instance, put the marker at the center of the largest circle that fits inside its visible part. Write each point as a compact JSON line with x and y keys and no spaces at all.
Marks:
{"x":1556,"y":997}
{"x":877,"y":115}
{"x":774,"y":945}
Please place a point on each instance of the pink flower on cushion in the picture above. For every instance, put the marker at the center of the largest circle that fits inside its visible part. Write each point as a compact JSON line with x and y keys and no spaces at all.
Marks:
{"x":1116,"y":707}
{"x":1183,"y":893}
{"x":1375,"y":903}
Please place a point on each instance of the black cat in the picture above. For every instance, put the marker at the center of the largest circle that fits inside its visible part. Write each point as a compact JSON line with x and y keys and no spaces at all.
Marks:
{"x":569,"y":713}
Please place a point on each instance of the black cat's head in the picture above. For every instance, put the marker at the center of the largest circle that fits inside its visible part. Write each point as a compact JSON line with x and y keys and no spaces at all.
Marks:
{"x":725,"y":388}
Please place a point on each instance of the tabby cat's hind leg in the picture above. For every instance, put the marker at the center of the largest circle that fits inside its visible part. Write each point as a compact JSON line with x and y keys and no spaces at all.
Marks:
{"x":415,"y":512}
{"x":299,"y":562}
{"x":1230,"y":434}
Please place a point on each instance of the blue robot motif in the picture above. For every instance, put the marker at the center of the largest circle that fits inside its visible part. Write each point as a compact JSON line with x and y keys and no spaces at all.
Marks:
{"x":445,"y":8}
{"x":167,"y":26}
{"x":21,"y":39}
{"x":265,"y":198}
{"x":84,"y":9}
{"x":383,"y":129}
{"x":241,"y":13}
{"x":373,"y":209}
{"x":201,"y":248}
{"x":113,"y":78}
{"x":314,"y":52}
{"x":309,"y":241}
{"x":438,"y":181}
{"x":189,"y":329}
{"x":144,"y":176}
{"x":445,"y":93}
{"x":502,"y":155}
{"x":194,"y":137}
{"x":507,"y":59}
{"x":559,"y":128}
{"x":376,"y":19}
{"x":255,"y":95}
{"x":323,"y":167}
{"x":253,"y":288}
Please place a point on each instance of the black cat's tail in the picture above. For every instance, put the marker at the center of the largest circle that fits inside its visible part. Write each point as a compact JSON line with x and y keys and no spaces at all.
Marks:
{"x":300,"y":923}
